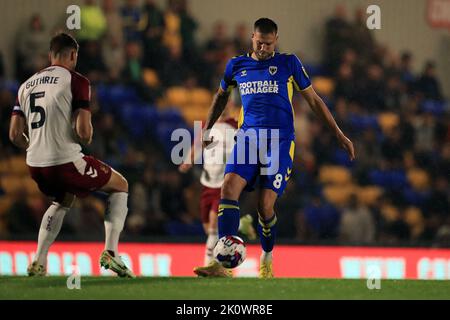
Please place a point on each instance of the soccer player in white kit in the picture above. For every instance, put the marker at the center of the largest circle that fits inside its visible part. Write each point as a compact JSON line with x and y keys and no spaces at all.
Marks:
{"x":214,"y":161}
{"x":50,"y":119}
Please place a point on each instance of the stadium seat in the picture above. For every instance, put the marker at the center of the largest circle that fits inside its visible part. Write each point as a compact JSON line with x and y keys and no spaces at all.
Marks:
{"x":369,"y":195}
{"x":414,"y":218}
{"x":12,"y":184}
{"x":177,"y":96}
{"x":200,"y":96}
{"x":334,"y":175}
{"x":323,"y":85}
{"x":151,"y":78}
{"x":30,"y":186}
{"x":390,"y":213}
{"x":388,"y":179}
{"x":418,"y":179}
{"x":18,"y":165}
{"x":388,"y":120}
{"x":5,"y":166}
{"x":5,"y":204}
{"x":338,"y":195}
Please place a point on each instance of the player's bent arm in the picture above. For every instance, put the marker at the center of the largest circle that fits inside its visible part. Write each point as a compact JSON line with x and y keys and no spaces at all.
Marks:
{"x":17,"y":132}
{"x":321,"y":110}
{"x":83,"y":126}
{"x":219,"y":102}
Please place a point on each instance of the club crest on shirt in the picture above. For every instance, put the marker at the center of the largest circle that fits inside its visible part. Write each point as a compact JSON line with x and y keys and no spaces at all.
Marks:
{"x":273,"y":70}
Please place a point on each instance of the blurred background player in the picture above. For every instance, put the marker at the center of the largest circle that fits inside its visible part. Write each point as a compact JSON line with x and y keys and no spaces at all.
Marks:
{"x":214,"y":160}
{"x":41,"y":123}
{"x":266,"y":80}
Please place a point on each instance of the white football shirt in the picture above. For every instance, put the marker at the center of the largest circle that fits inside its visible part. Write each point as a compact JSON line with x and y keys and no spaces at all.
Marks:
{"x":47,"y":100}
{"x":214,"y":159}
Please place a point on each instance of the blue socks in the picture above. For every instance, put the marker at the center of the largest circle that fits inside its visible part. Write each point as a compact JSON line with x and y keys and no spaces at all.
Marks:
{"x":228,"y":217}
{"x":267,"y":230}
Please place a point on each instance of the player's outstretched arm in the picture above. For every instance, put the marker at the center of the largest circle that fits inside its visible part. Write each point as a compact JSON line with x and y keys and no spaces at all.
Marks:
{"x":83,"y":126}
{"x":17,"y":132}
{"x":220,"y":100}
{"x":321,"y":110}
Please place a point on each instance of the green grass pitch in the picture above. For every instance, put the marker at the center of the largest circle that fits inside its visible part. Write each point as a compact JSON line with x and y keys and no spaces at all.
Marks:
{"x":179,"y":288}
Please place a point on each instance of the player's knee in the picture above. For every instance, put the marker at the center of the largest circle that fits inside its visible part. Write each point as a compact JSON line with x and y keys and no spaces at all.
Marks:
{"x":228,"y":192}
{"x":265,"y":209}
{"x":66,"y":201}
{"x":123,"y":184}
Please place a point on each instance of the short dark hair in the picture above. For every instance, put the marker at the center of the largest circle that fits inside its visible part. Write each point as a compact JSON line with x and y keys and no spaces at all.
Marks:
{"x":62,"y":42}
{"x":266,"y":25}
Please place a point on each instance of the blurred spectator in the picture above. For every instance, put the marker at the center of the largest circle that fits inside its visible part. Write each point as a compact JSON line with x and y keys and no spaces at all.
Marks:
{"x":362,"y":40}
{"x":172,"y":33}
{"x":241,"y":39}
{"x":406,"y":73}
{"x":188,"y":26}
{"x":32,"y":48}
{"x":322,"y":219}
{"x":357,"y":224}
{"x":345,"y":83}
{"x":146,"y":216}
{"x":113,"y":42}
{"x":133,"y":21}
{"x":392,"y":148}
{"x":372,"y":90}
{"x":424,"y":135}
{"x":153,"y":32}
{"x":215,"y":46}
{"x":132,"y":74}
{"x":428,"y":84}
{"x":90,"y":61}
{"x":93,"y":22}
{"x":337,"y":37}
{"x":174,"y":71}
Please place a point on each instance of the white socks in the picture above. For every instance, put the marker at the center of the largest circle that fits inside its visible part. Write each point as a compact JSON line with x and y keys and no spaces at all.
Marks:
{"x":210,"y":244}
{"x":115,"y":215}
{"x":265,"y":257}
{"x":50,"y":227}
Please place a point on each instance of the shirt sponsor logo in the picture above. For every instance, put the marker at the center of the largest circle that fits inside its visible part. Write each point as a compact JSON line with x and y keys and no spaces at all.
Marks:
{"x":255,"y":87}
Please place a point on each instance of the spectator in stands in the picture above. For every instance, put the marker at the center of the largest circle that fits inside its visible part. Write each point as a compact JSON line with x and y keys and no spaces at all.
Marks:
{"x":146,"y":216}
{"x":240,"y":39}
{"x":90,"y":61}
{"x":428,"y":84}
{"x":188,"y":26}
{"x":152,"y":34}
{"x":215,"y":46}
{"x":357,"y":224}
{"x":93,"y":22}
{"x":113,"y":41}
{"x":322,"y":219}
{"x":174,"y":71}
{"x":406,"y":73}
{"x":32,"y":48}
{"x":133,"y":21}
{"x":337,"y":38}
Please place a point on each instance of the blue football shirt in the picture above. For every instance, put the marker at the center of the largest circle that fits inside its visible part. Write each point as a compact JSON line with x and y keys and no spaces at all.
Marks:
{"x":266,"y":88}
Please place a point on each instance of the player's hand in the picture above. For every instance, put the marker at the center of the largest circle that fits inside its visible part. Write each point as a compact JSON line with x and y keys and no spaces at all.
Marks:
{"x":346,"y":144}
{"x":184,"y":167}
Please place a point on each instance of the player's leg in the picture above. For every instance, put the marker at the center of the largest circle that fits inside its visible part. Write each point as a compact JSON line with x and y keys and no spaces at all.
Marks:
{"x":209,"y":205}
{"x":48,"y":231}
{"x":229,"y":213}
{"x":115,"y":215}
{"x":267,"y":223}
{"x":272,"y":186}
{"x":211,"y":241}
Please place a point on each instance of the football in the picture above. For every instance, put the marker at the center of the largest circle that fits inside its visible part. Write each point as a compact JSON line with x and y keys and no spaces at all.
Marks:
{"x":230,"y":251}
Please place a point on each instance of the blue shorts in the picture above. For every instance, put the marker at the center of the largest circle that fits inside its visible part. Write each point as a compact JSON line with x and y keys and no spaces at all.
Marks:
{"x":264,"y":162}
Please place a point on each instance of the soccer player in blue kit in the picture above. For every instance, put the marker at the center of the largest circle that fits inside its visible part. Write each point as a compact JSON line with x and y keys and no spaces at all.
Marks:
{"x":266,"y":80}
